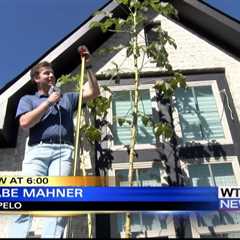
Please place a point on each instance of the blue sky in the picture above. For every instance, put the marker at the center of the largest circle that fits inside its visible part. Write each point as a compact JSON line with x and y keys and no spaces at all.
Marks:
{"x":30,"y":27}
{"x":230,"y":7}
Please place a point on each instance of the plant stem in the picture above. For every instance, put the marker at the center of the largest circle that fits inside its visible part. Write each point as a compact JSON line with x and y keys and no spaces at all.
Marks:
{"x":132,"y":155}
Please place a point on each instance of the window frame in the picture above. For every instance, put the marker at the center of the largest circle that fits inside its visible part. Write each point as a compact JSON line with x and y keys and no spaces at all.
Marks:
{"x":119,"y":88}
{"x":221,"y":111}
{"x":202,"y":230}
{"x":170,"y":230}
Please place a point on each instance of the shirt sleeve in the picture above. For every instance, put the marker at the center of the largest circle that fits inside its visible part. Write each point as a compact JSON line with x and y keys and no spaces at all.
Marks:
{"x":24,"y":105}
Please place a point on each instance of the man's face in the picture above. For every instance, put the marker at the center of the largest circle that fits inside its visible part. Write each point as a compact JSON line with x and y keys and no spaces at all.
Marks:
{"x":45,"y":77}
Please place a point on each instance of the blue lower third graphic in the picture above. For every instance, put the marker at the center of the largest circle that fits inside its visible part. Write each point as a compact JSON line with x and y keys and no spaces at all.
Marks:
{"x":113,"y":198}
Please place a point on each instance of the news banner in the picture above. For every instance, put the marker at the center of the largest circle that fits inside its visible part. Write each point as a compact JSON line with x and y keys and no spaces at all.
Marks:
{"x":98,"y":194}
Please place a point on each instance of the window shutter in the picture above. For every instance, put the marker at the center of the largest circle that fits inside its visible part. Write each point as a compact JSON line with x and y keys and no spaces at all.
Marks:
{"x":199,"y":117}
{"x":145,"y":134}
{"x":208,"y":113}
{"x":189,"y":120}
{"x":122,"y":107}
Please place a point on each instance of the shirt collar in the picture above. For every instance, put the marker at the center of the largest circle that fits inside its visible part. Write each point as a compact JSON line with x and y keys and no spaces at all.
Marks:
{"x":40,"y":95}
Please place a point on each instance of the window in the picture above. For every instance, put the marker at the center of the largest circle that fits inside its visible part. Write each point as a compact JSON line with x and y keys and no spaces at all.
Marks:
{"x":154,"y":224}
{"x":122,"y":107}
{"x":141,"y":177}
{"x":142,"y":222}
{"x":221,"y":235}
{"x":219,"y":174}
{"x":214,"y":174}
{"x":201,"y":113}
{"x":198,"y":113}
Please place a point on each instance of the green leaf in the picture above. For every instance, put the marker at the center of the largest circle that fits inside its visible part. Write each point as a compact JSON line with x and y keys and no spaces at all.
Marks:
{"x":65,"y":79}
{"x":181,"y":79}
{"x":93,"y":134}
{"x":106,"y":88}
{"x":102,"y":106}
{"x":99,"y":105}
{"x":91,"y":103}
{"x":145,"y":120}
{"x":167,"y":131}
{"x":163,"y":129}
{"x":121,"y":121}
{"x":160,"y":86}
{"x":105,"y":25}
{"x":83,"y":129}
{"x":94,"y":24}
{"x":174,"y":83}
{"x":125,"y":2}
{"x":129,"y":51}
{"x":158,"y":130}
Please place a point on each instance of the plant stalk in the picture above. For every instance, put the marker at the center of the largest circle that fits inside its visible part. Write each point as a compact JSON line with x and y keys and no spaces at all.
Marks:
{"x":132,"y":154}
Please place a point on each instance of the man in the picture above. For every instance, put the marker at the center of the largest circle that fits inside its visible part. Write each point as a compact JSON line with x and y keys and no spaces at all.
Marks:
{"x":48,"y":115}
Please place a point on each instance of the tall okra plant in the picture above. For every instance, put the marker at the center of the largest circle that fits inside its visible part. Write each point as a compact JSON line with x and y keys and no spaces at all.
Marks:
{"x":98,"y":109}
{"x":135,"y":21}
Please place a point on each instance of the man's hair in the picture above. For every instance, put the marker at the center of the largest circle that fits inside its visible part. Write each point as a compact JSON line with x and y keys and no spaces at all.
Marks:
{"x":35,"y":70}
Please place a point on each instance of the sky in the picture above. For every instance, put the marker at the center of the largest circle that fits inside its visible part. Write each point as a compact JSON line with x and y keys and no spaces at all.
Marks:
{"x":230,"y":7}
{"x":29,"y":28}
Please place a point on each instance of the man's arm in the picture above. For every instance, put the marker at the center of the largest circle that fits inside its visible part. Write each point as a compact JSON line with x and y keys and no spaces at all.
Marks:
{"x":91,"y":88}
{"x":31,"y":118}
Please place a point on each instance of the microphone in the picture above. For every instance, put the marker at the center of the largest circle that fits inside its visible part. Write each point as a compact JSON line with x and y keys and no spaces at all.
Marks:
{"x":54,"y":88}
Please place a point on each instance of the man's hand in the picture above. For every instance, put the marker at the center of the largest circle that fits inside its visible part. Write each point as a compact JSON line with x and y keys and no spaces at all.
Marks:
{"x":54,"y":97}
{"x":91,"y":88}
{"x":84,"y":52}
{"x":31,"y":118}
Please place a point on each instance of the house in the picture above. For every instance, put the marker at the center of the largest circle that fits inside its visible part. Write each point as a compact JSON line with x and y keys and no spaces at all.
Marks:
{"x":206,"y":147}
